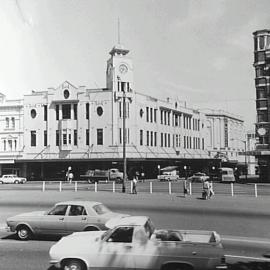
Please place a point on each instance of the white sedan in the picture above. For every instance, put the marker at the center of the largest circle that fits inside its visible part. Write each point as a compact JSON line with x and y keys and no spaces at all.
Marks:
{"x":12,"y":179}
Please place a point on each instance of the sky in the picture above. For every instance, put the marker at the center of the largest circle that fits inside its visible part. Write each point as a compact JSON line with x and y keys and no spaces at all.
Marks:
{"x":200,"y":51}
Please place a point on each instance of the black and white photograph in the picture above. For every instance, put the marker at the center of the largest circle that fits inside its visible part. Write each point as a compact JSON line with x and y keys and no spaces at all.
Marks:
{"x":134,"y":134}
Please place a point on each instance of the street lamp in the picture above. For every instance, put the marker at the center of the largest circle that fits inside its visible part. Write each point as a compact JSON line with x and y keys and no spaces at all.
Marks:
{"x":124,"y":97}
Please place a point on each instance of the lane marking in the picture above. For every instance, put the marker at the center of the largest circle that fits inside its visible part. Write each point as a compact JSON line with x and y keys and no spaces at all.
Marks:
{"x":248,"y":258}
{"x":247,"y":240}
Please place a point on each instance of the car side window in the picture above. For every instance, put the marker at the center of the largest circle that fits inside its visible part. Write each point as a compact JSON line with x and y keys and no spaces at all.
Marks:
{"x":77,"y":210}
{"x":58,"y":210}
{"x":122,"y":235}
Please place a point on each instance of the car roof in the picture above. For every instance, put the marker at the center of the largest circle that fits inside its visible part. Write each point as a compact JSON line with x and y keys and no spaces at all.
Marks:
{"x":124,"y":221}
{"x":88,"y":203}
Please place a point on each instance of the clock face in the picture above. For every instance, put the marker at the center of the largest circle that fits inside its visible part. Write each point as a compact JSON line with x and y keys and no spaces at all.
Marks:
{"x":123,"y":68}
{"x":261,"y":131}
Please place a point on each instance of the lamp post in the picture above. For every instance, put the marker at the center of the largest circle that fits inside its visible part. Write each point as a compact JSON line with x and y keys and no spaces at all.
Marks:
{"x":124,"y":97}
{"x":124,"y":143}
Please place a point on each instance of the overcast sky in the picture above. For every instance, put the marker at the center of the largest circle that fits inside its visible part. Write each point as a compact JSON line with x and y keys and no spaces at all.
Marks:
{"x":200,"y":51}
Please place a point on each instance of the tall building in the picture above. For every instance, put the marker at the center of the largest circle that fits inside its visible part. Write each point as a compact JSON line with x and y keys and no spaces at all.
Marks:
{"x":262,"y":84}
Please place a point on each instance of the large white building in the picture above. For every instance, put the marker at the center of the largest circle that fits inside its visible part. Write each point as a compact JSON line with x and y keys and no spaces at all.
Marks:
{"x":83,"y":128}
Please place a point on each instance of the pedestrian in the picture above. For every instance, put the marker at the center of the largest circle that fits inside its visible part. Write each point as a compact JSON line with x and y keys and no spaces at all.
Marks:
{"x":211,"y":190}
{"x":185,"y":188}
{"x":134,"y":185}
{"x":206,"y":189}
{"x":70,"y":177}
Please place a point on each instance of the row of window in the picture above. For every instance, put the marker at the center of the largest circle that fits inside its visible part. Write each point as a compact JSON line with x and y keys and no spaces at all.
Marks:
{"x":67,"y":110}
{"x":9,"y":145}
{"x":10,"y":122}
{"x":165,"y":140}
{"x":66,"y":137}
{"x":262,"y":43}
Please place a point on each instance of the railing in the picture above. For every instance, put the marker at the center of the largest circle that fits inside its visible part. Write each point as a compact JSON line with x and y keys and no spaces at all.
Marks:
{"x":148,"y":186}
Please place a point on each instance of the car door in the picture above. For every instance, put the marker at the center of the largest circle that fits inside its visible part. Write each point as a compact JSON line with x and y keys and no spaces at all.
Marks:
{"x":54,"y":221}
{"x":76,"y":218}
{"x":116,"y":251}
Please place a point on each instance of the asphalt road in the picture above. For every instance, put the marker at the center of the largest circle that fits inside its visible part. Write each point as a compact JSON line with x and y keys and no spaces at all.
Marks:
{"x":242,"y":222}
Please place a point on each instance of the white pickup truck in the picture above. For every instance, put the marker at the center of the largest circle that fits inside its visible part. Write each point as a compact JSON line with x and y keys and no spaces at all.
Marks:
{"x":133,"y":243}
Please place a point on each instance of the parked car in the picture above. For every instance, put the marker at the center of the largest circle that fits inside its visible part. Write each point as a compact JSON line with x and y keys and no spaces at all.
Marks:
{"x":64,"y":218}
{"x":12,"y":179}
{"x":93,"y":176}
{"x":169,"y":173}
{"x":198,"y":177}
{"x":133,"y":243}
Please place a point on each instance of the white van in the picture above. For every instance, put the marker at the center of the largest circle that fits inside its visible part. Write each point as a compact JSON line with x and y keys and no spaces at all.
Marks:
{"x":226,"y":175}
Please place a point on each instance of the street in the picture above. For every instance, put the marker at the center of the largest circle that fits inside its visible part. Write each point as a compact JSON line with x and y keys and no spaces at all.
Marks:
{"x":242,"y":222}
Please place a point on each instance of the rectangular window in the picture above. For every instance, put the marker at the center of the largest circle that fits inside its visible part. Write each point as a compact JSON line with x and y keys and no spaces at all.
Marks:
{"x":161,"y":117}
{"x":33,"y":138}
{"x":141,"y":137}
{"x":57,"y":112}
{"x":45,"y":108}
{"x":169,"y":140}
{"x":69,"y":138}
{"x":75,"y":137}
{"x":155,"y":139}
{"x":57,"y":138}
{"x":161,"y":139}
{"x":99,"y":136}
{"x":165,"y":139}
{"x":147,"y":114}
{"x":202,"y":143}
{"x":169,"y":117}
{"x":147,"y":138}
{"x":87,"y":141}
{"x":66,"y":111}
{"x":151,"y":138}
{"x":45,"y":138}
{"x":120,"y":135}
{"x":185,"y":144}
{"x":155,"y":115}
{"x":151,"y":115}
{"x":13,"y":122}
{"x":165,"y":118}
{"x":75,"y":110}
{"x":87,"y":111}
{"x":120,"y":109}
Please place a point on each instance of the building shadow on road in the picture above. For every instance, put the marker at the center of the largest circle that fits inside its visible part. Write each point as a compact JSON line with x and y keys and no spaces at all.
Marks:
{"x":249,"y":266}
{"x":34,"y":238}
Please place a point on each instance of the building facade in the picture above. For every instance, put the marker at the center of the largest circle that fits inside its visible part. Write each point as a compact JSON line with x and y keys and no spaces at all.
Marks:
{"x":11,"y":134}
{"x":70,"y":126}
{"x":262,"y":83}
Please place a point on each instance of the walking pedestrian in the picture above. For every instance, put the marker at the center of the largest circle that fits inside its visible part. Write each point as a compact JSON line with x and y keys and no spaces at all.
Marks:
{"x":134,"y":185}
{"x":211,"y":190}
{"x":185,"y":188}
{"x":206,"y":189}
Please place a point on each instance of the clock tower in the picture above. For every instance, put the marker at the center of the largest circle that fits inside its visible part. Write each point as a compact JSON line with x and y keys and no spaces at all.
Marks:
{"x":119,"y":79}
{"x":119,"y":75}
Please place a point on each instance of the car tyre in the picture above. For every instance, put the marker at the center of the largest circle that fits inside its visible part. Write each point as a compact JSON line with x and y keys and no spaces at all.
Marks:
{"x":24,"y":232}
{"x":16,"y":182}
{"x":1,"y":182}
{"x":74,"y":265}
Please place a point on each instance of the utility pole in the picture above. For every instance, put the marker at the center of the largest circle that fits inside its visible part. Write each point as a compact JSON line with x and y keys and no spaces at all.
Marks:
{"x":124,"y":143}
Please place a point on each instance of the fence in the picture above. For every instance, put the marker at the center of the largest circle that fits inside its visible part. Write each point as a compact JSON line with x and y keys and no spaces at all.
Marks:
{"x":232,"y":189}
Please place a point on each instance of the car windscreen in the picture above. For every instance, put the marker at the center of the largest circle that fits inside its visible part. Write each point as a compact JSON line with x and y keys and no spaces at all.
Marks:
{"x":101,"y":209}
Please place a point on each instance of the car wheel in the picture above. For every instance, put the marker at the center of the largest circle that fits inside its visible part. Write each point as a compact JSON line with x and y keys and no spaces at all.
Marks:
{"x":24,"y":233}
{"x":16,"y":182}
{"x":1,"y":182}
{"x":74,"y":265}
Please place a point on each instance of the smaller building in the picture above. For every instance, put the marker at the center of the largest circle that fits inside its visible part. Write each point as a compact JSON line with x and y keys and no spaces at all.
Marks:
{"x":11,"y":135}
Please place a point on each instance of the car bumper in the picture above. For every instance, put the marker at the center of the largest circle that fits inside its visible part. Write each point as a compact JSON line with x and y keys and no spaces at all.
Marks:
{"x":55,"y":263}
